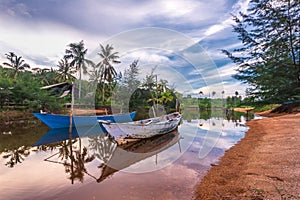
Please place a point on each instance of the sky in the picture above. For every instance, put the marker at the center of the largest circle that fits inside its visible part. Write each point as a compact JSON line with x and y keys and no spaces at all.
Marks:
{"x":182,"y":38}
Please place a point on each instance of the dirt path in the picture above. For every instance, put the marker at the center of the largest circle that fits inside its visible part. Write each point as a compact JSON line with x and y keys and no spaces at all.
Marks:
{"x":263,"y":165}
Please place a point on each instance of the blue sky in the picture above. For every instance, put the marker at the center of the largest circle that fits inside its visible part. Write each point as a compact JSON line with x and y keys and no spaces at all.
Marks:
{"x":40,"y":31}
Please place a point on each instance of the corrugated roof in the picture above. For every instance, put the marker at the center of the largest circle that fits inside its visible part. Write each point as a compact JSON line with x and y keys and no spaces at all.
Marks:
{"x":55,"y":85}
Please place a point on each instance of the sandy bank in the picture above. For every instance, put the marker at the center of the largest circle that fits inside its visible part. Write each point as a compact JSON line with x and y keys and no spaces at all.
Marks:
{"x":263,"y":165}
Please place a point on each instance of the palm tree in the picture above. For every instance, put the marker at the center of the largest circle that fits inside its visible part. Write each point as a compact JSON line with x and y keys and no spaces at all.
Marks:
{"x":42,"y":75}
{"x":65,"y":71}
{"x":16,"y":63}
{"x":223,"y":98}
{"x":162,"y":86}
{"x":76,"y":53}
{"x":10,"y":56}
{"x":236,"y":96}
{"x":213,"y":93}
{"x":108,"y":72}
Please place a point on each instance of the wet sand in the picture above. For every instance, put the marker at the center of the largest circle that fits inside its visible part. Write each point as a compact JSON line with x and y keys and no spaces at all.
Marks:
{"x":263,"y":165}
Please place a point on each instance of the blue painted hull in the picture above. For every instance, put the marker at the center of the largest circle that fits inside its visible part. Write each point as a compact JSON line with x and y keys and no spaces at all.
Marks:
{"x":62,"y":134}
{"x":63,"y":121}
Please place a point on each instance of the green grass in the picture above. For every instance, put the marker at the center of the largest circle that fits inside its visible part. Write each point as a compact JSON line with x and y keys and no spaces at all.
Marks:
{"x":265,"y":107}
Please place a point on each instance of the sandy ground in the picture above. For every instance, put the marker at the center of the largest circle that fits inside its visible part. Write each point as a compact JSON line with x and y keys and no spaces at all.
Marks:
{"x":263,"y":165}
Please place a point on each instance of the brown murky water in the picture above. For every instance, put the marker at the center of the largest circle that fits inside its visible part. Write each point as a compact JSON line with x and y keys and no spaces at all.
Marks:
{"x":94,"y":167}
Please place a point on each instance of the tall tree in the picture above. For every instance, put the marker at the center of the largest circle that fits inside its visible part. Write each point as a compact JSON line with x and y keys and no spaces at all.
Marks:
{"x":213,"y":93}
{"x":150,"y":84}
{"x":222,"y":97}
{"x":107,"y":70}
{"x":127,"y":89}
{"x":269,"y":57}
{"x":65,"y":71}
{"x":42,"y":75}
{"x":16,"y":63}
{"x":77,"y":53}
{"x":130,"y":79}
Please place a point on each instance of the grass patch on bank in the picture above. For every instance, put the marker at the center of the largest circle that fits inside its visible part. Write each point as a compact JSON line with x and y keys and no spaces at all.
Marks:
{"x":265,"y":107}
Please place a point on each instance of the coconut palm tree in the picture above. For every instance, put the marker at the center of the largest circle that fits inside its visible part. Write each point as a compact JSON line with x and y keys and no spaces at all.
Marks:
{"x":65,"y":71}
{"x":236,"y":97}
{"x":107,"y":70}
{"x":76,"y":53}
{"x":42,"y":75}
{"x":223,"y":98}
{"x":16,"y":63}
{"x":162,"y":86}
{"x":10,"y":56}
{"x":213,"y":93}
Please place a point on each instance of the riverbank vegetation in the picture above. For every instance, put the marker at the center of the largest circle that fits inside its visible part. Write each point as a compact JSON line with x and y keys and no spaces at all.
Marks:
{"x":21,"y":85}
{"x":269,"y":57}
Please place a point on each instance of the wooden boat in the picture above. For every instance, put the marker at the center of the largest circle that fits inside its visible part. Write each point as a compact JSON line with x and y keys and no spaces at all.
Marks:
{"x":143,"y":128}
{"x":63,"y":121}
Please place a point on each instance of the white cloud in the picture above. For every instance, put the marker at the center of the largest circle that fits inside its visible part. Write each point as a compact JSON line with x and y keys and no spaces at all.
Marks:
{"x":40,"y":33}
{"x":43,"y":40}
{"x":241,"y":5}
{"x":227,"y":71}
{"x":176,"y":8}
{"x":150,"y":56}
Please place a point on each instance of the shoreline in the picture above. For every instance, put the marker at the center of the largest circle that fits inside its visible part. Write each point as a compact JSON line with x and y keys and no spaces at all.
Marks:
{"x":263,"y":165}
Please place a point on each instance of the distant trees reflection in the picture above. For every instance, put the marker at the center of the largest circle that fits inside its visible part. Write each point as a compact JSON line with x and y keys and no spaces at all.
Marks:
{"x":227,"y":114}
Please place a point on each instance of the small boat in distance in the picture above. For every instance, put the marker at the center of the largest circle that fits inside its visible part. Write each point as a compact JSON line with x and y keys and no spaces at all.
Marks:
{"x":143,"y":128}
{"x":63,"y":121}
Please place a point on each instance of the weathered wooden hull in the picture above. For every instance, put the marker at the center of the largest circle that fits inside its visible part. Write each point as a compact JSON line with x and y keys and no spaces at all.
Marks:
{"x":144,"y":128}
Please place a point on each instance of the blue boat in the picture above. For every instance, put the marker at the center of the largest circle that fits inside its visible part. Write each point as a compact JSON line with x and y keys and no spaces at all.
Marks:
{"x":63,"y":121}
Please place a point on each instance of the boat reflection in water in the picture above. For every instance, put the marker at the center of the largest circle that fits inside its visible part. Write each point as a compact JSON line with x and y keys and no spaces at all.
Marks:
{"x":128,"y":154}
{"x":101,"y":151}
{"x":58,"y":135}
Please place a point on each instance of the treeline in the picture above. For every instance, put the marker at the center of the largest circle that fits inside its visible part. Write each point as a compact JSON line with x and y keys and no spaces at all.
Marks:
{"x":269,"y":57}
{"x":212,"y":103}
{"x":20,"y":84}
{"x":23,"y":91}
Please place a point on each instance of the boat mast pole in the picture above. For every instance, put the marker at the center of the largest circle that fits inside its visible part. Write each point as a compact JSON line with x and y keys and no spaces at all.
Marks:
{"x":156,"y":91}
{"x":70,"y":131}
{"x":71,"y":110}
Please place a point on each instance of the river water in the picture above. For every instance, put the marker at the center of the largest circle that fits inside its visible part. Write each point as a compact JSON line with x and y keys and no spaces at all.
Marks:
{"x":94,"y":167}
